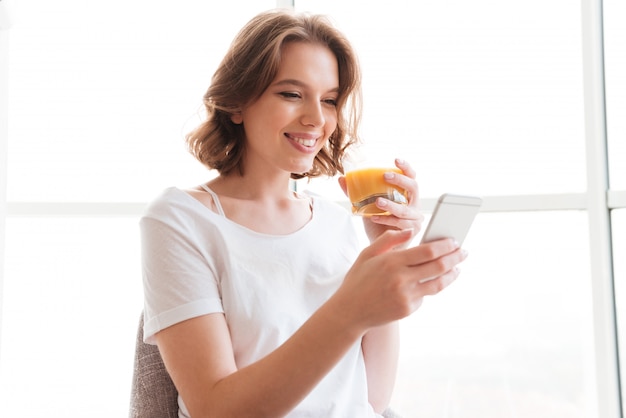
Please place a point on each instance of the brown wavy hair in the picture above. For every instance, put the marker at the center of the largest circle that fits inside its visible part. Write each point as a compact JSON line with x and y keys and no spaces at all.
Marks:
{"x":249,"y":67}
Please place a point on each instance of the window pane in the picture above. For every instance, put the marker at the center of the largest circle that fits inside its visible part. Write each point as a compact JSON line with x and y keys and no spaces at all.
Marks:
{"x":615,"y":62}
{"x":483,"y":97}
{"x":72,"y":300}
{"x":512,"y":337}
{"x":618,"y":220}
{"x":101,"y":94}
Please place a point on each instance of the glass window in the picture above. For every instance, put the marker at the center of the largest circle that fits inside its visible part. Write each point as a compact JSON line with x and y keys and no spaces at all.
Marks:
{"x":99,"y":89}
{"x":72,"y":299}
{"x":512,"y":337}
{"x":615,"y":63}
{"x":482,"y":97}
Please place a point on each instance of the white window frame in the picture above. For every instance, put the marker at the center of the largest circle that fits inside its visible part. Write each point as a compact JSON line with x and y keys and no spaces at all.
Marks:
{"x":598,"y":196}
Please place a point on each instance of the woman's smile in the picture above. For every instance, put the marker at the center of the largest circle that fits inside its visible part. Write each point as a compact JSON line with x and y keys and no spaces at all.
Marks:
{"x":305,"y":140}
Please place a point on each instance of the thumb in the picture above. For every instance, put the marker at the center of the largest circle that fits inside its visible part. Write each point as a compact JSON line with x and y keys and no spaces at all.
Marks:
{"x":343,"y":185}
{"x":390,"y":240}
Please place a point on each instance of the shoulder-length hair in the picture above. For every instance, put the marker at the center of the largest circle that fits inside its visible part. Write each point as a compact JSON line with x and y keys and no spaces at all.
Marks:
{"x":249,"y":67}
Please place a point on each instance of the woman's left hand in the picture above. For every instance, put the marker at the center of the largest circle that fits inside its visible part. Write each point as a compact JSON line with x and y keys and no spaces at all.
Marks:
{"x":400,"y":216}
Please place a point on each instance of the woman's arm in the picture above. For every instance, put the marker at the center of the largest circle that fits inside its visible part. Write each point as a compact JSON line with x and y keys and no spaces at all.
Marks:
{"x":199,"y":356}
{"x":380,"y":351}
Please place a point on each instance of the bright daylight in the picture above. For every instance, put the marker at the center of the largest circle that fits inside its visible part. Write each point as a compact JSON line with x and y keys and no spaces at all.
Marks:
{"x":265,"y":295}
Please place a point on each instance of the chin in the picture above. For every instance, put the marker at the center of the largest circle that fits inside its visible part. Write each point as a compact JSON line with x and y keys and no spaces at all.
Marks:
{"x":301,"y":168}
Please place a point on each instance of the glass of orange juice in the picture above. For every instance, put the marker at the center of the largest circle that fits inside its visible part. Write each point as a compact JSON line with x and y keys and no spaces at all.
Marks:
{"x":365,"y":185}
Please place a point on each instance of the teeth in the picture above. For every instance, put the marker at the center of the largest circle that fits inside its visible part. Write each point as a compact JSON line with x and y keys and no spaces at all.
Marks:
{"x":305,"y":142}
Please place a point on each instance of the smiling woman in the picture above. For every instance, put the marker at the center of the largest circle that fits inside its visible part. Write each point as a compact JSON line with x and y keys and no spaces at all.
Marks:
{"x":258,"y":297}
{"x":233,"y":91}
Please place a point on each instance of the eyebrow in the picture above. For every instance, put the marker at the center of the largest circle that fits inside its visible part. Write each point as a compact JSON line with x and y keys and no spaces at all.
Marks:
{"x":298,"y":83}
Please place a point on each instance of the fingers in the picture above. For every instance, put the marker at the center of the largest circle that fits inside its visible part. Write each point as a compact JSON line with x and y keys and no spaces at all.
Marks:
{"x":437,"y":273}
{"x":408,"y":211}
{"x":431,"y":251}
{"x":437,"y":284}
{"x":405,"y":167}
{"x":434,"y":260}
{"x":388,"y":241}
{"x":403,"y":216}
{"x":407,"y":182}
{"x":404,"y":182}
{"x":386,"y":285}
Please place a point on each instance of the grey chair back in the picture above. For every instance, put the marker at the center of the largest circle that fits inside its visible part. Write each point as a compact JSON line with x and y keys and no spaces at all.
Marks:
{"x":153,"y":394}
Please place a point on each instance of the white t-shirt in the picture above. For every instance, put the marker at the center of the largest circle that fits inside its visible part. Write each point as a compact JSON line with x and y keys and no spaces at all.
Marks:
{"x":197,"y":262}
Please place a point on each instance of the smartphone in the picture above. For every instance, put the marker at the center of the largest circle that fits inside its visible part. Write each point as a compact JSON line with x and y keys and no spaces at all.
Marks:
{"x":452,"y":217}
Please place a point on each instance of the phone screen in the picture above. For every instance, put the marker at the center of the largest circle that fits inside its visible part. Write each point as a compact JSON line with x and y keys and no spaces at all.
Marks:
{"x":452,"y":217}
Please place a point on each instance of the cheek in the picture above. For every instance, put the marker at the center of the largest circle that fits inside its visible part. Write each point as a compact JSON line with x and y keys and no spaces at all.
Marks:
{"x":331,"y":124}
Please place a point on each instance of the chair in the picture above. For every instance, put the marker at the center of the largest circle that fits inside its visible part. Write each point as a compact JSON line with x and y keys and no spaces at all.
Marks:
{"x":153,"y":394}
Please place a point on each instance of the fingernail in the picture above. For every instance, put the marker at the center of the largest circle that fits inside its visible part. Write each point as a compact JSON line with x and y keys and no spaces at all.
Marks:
{"x":399,"y":161}
{"x":381,"y":202}
{"x":389,"y":175}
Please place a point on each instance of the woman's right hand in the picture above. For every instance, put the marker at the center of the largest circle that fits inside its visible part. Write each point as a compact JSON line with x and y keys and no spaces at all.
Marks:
{"x":387,"y":284}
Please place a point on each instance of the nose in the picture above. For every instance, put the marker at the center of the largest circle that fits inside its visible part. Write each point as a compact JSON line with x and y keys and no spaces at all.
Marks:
{"x":313,"y":114}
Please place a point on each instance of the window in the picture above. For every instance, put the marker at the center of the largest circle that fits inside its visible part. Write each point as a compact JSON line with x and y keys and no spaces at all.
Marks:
{"x":615,"y":42}
{"x":96,"y":97}
{"x":482,"y":97}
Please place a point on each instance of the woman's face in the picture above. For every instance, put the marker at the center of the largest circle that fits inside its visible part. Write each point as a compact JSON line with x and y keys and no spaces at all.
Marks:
{"x":294,"y":117}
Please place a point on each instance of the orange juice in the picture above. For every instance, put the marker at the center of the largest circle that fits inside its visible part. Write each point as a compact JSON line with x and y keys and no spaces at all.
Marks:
{"x":366,"y":185}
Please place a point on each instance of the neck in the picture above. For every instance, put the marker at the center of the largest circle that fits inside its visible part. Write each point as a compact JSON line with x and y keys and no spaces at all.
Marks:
{"x":253,"y":187}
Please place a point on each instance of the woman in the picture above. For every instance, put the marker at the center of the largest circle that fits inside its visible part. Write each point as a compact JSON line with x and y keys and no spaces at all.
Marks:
{"x":257,"y":297}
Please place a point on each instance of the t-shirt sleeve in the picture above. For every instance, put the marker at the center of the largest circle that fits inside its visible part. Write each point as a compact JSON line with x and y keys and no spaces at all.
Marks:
{"x":179,"y":278}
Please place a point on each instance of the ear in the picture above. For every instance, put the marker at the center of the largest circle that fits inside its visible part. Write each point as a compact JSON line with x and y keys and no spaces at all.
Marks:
{"x":236,"y":118}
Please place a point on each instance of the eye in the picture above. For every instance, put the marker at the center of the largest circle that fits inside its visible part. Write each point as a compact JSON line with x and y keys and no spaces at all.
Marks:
{"x":289,"y":95}
{"x":331,"y":102}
